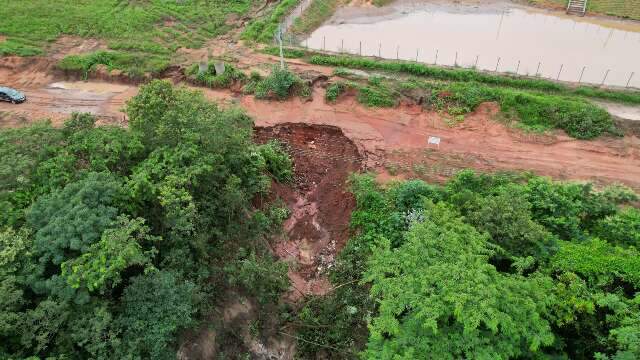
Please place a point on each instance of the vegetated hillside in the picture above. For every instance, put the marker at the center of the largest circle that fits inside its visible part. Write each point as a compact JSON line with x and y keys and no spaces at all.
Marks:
{"x":140,"y":33}
{"x":112,"y":240}
{"x":622,"y":8}
{"x":486,"y":266}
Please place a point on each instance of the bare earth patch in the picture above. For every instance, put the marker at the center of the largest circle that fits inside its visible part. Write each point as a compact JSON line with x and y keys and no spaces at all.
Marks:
{"x":320,"y":203}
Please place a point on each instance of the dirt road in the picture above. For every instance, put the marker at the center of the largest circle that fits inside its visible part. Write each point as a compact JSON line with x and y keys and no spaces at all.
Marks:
{"x":381,"y":135}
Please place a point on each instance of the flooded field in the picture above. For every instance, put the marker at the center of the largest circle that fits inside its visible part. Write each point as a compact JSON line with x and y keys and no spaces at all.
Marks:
{"x":491,"y":36}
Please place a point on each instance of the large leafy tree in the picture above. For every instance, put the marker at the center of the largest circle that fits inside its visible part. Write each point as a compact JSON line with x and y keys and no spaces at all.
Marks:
{"x":119,"y":248}
{"x":67,"y":222}
{"x":119,"y":233}
{"x":438,"y":295}
{"x":563,"y":292}
{"x":154,"y":307}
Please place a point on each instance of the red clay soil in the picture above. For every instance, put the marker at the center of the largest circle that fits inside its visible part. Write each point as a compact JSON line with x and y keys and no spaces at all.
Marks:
{"x":320,"y":205}
{"x":480,"y":142}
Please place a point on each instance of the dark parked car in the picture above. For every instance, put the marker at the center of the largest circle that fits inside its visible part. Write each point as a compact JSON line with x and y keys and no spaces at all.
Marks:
{"x":12,"y":95}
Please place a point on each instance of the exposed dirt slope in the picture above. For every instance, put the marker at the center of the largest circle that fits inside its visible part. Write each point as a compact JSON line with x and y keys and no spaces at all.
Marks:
{"x":320,"y":204}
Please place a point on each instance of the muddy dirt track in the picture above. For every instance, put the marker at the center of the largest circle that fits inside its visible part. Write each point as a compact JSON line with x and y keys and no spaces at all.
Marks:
{"x":381,"y":135}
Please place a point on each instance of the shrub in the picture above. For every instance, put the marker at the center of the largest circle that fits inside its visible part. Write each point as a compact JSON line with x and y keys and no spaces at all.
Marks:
{"x":280,"y":84}
{"x":334,"y":91}
{"x":264,"y":277}
{"x":278,"y":161}
{"x":376,"y":96}
{"x":211,"y":79}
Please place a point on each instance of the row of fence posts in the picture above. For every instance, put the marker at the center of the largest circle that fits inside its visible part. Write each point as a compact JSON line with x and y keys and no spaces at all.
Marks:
{"x":475,"y":65}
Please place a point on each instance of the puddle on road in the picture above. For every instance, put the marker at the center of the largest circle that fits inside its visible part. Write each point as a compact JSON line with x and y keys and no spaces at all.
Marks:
{"x":526,"y":40}
{"x":623,"y":111}
{"x":81,"y":96}
{"x":90,"y":86}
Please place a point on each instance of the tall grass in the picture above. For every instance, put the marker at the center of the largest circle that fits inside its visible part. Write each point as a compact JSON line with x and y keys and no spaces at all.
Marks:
{"x":466,"y":75}
{"x":280,"y":84}
{"x":264,"y":29}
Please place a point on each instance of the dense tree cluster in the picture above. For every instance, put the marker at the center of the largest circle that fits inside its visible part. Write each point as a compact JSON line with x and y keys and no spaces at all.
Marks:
{"x":113,"y":240}
{"x":484,"y":267}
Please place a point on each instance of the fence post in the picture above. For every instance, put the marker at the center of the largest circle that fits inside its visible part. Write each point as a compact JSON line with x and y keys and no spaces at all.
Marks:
{"x":360,"y":51}
{"x":476,"y":64}
{"x":379,"y":50}
{"x":497,"y":64}
{"x":581,"y":73}
{"x":436,"y":62}
{"x":398,"y":52}
{"x":518,"y":67}
{"x":324,"y":42}
{"x":558,"y":78}
{"x":417,"y":53}
{"x":605,"y":77}
{"x":628,"y":81}
{"x":455,"y":62}
{"x":342,"y":46}
{"x":538,"y":69}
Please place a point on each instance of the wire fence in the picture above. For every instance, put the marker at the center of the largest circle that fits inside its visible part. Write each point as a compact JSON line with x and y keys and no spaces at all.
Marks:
{"x":508,"y":65}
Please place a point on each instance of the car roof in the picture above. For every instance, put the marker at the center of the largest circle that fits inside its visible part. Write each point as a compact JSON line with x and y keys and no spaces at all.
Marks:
{"x":8,"y":90}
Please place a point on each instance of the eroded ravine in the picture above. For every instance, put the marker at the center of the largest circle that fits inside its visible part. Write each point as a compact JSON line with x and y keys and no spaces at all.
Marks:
{"x":319,"y":200}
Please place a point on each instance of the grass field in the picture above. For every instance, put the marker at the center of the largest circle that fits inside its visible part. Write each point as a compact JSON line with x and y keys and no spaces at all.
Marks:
{"x":622,"y":8}
{"x":153,"y":29}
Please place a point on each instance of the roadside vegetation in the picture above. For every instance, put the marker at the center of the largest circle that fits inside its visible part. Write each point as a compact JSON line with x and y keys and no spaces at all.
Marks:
{"x":280,"y":84}
{"x":497,"y":266}
{"x":210,"y":78}
{"x":447,"y":74}
{"x":113,"y":241}
{"x":531,"y":111}
{"x":135,"y":66}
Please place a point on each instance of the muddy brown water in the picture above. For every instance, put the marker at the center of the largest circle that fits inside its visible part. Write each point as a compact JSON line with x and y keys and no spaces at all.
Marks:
{"x":526,"y":40}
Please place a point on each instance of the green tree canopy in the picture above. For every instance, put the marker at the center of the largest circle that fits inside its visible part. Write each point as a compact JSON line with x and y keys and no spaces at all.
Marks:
{"x":438,"y":295}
